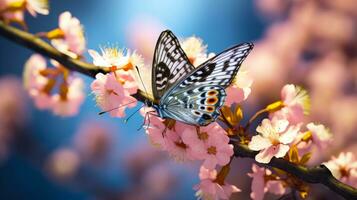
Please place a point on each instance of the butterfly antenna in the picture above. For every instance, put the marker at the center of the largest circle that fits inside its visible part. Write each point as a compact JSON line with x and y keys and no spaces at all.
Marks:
{"x":132,"y":114}
{"x":103,"y":112}
{"x":142,"y":82}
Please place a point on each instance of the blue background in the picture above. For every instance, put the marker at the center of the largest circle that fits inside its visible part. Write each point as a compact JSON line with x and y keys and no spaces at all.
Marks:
{"x":219,"y":25}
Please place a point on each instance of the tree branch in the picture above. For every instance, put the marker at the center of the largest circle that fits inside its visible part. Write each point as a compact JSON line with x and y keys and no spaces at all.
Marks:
{"x":38,"y":45}
{"x":318,"y":174}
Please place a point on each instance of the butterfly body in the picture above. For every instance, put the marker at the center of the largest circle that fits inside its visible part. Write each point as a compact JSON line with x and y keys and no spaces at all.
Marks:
{"x":188,"y":94}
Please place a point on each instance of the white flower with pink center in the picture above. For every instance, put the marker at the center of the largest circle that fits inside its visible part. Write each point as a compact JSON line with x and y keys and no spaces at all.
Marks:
{"x":344,"y":168}
{"x":210,"y":189}
{"x":273,"y":139}
{"x":114,"y":57}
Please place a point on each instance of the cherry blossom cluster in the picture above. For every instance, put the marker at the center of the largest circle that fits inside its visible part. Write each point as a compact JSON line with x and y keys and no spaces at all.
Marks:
{"x":54,"y":87}
{"x":183,"y":142}
{"x":282,"y":133}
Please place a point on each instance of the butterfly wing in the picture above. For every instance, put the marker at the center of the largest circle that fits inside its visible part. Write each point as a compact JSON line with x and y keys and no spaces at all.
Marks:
{"x":219,"y":70}
{"x":197,"y":106}
{"x":191,"y":100}
{"x":170,"y":64}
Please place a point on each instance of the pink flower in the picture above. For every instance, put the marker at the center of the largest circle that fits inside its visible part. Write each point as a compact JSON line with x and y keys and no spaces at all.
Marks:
{"x":210,"y":189}
{"x":41,"y":82}
{"x":260,"y":185}
{"x":34,"y":82}
{"x":68,"y":104}
{"x":195,"y":141}
{"x":154,"y":129}
{"x":321,"y":136}
{"x":239,"y":90}
{"x":176,"y":140}
{"x":123,"y":65}
{"x":296,"y":104}
{"x":218,"y":149}
{"x":111,"y":95}
{"x":186,"y":142}
{"x":344,"y":168}
{"x":13,"y":10}
{"x":69,"y":38}
{"x":273,"y":140}
{"x":174,"y":144}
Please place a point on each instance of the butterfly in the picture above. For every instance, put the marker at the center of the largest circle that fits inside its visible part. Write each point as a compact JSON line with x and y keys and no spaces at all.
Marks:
{"x":193,"y":95}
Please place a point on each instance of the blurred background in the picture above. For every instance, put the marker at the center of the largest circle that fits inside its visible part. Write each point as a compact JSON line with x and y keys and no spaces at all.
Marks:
{"x":307,"y":42}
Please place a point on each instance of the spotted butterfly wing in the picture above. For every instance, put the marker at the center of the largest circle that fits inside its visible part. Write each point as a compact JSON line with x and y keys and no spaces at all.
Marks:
{"x":170,"y":64}
{"x":197,"y":106}
{"x":197,"y":98}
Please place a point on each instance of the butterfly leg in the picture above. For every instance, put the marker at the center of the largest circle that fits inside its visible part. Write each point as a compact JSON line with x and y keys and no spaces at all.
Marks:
{"x":147,"y":116}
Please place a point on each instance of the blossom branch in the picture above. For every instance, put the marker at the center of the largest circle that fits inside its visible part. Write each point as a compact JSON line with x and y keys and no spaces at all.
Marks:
{"x":318,"y":174}
{"x":38,"y":45}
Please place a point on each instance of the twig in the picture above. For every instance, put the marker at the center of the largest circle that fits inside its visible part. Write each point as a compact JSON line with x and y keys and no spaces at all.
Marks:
{"x":318,"y":174}
{"x":38,"y":45}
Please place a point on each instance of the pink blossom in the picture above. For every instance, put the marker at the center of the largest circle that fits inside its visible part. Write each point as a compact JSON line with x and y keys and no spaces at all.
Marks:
{"x":321,"y":136}
{"x":70,"y":37}
{"x":34,"y":82}
{"x":186,"y":142}
{"x":123,"y":65}
{"x":218,"y":149}
{"x":154,"y":129}
{"x":210,"y":189}
{"x":258,"y":182}
{"x":239,"y":90}
{"x":296,"y":104}
{"x":176,"y":147}
{"x":69,"y":103}
{"x":260,"y":185}
{"x":176,"y":140}
{"x":344,"y":168}
{"x":110,"y":94}
{"x":273,"y":139}
{"x":13,"y":10}
{"x":195,"y":141}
